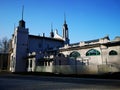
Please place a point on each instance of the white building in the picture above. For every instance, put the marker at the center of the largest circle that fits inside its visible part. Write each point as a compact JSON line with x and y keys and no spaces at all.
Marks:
{"x":28,"y":51}
{"x":22,"y":44}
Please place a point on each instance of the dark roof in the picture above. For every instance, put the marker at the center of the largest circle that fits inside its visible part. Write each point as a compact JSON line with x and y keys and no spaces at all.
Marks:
{"x":74,"y":44}
{"x":108,"y":44}
{"x":43,"y":37}
{"x":80,"y":47}
{"x":113,"y":43}
{"x":95,"y":40}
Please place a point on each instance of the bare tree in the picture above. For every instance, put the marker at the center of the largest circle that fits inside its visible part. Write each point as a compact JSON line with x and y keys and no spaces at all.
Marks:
{"x":4,"y":45}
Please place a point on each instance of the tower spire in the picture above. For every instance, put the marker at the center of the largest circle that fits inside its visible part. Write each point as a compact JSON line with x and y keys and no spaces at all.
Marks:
{"x":22,"y":22}
{"x":51,"y":27}
{"x":52,"y":33}
{"x":65,"y":31}
{"x":22,"y":11}
{"x":64,"y":18}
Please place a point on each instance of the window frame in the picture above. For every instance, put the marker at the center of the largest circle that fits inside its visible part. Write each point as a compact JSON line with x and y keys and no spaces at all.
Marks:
{"x":113,"y":53}
{"x":74,"y":53}
{"x":93,"y":52}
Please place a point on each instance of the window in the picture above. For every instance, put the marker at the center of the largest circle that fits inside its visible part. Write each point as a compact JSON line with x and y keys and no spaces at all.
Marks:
{"x":92,"y":52}
{"x":61,"y":55}
{"x":15,"y":40}
{"x":113,"y":52}
{"x":30,"y":63}
{"x":74,"y":54}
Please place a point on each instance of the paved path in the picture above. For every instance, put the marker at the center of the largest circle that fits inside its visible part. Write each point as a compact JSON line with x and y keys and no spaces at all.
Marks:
{"x":27,"y":82}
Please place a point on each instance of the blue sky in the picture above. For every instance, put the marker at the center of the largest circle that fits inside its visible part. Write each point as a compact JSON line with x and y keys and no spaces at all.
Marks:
{"x":86,"y":19}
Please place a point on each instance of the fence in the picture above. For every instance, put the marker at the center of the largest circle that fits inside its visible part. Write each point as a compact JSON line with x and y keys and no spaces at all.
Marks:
{"x":79,"y":69}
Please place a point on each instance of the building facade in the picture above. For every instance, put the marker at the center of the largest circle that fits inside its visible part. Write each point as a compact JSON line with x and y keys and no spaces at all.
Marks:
{"x":22,"y":44}
{"x":95,"y":52}
{"x":29,"y":51}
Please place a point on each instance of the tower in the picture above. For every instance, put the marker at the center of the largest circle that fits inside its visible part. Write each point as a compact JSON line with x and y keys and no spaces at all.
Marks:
{"x":51,"y":33}
{"x":20,"y":50}
{"x":65,"y":31}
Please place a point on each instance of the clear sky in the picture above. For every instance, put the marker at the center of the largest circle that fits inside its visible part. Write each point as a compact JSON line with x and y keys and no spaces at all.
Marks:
{"x":86,"y":19}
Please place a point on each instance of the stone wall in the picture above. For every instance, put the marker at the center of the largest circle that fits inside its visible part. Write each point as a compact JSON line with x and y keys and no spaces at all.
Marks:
{"x":78,"y":69}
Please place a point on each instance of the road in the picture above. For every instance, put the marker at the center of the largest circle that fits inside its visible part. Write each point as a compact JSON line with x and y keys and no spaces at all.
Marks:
{"x":29,"y":82}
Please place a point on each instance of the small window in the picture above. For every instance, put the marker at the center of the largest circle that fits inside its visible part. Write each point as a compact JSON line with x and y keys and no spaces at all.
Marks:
{"x":92,"y":52}
{"x":30,"y":63}
{"x":113,"y":52}
{"x":15,"y":40}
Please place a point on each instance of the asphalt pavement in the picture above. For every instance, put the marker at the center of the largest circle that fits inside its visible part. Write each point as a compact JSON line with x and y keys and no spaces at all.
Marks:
{"x":31,"y":82}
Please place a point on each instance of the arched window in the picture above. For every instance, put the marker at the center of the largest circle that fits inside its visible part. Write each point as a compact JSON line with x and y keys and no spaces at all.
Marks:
{"x":74,"y":54}
{"x":92,"y":52}
{"x":113,"y":52}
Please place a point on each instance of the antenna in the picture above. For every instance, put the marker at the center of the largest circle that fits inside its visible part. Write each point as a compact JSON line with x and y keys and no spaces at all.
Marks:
{"x":22,"y":11}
